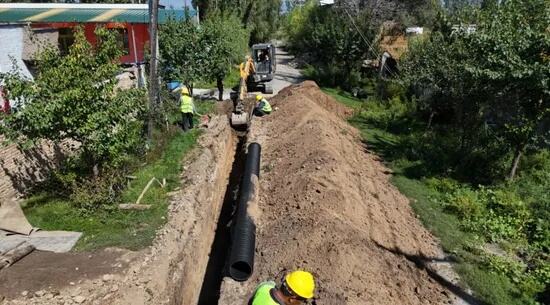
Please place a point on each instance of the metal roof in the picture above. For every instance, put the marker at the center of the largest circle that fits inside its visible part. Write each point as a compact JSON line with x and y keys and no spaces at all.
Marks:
{"x":63,"y":12}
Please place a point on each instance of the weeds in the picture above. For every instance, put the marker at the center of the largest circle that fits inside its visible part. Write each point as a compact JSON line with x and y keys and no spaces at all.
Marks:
{"x":466,"y":216}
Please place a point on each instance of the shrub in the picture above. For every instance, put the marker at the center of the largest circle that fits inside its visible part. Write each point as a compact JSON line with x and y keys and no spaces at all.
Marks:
{"x":333,"y":46}
{"x":442,"y":185}
{"x":530,"y":280}
{"x":101,"y":192}
{"x":465,"y":202}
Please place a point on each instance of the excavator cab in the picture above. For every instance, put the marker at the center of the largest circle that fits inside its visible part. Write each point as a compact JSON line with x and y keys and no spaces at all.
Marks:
{"x":263,"y":55}
{"x":256,"y":71}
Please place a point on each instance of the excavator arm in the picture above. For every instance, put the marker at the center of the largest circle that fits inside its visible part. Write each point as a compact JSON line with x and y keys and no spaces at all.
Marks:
{"x":240,"y":117}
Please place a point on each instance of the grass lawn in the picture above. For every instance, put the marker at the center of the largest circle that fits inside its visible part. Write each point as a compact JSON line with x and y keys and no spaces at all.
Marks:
{"x":344,"y":97}
{"x":489,"y":287}
{"x":127,"y":229}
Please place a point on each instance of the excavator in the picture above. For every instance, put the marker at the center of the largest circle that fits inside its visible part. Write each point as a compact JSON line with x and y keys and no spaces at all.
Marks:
{"x":255,"y":72}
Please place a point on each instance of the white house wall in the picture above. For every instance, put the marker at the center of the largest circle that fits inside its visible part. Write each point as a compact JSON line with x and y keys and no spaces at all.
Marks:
{"x":12,"y":37}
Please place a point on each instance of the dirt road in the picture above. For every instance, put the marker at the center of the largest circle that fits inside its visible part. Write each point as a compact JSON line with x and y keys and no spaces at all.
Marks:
{"x":286,"y":74}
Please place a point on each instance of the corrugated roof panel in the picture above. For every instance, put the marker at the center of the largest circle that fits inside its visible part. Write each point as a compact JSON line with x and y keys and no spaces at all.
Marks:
{"x":108,"y":15}
{"x":24,"y":15}
{"x":45,"y":14}
{"x":12,"y":15}
{"x":74,"y":16}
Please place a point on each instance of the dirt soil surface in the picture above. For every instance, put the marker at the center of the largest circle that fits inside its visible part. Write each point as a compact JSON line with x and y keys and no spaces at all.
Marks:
{"x":169,"y":272}
{"x":53,"y":271}
{"x":327,"y":205}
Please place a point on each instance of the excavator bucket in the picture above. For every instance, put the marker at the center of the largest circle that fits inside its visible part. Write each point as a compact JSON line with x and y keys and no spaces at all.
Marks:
{"x":239,"y":119}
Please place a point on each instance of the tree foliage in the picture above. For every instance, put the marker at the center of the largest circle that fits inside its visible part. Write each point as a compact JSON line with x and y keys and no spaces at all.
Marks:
{"x":207,"y":52}
{"x":493,"y":82}
{"x":183,"y":56}
{"x":74,"y":97}
{"x":334,"y":42}
{"x":260,"y":17}
{"x":226,"y":42}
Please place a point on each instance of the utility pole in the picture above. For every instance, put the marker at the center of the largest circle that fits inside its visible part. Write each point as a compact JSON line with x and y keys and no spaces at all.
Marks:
{"x":153,"y":64}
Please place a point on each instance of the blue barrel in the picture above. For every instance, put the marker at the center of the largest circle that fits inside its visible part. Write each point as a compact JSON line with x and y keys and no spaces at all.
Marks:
{"x":173,"y":85}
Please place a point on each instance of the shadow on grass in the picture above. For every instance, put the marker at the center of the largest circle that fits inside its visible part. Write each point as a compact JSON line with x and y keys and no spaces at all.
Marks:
{"x":422,"y":262}
{"x":396,"y":144}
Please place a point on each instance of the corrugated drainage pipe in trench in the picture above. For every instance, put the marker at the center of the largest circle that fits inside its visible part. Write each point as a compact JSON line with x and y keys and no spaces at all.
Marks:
{"x":243,"y":233}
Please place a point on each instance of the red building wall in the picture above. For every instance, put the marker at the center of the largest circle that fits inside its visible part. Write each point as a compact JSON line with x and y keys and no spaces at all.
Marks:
{"x":138,"y":36}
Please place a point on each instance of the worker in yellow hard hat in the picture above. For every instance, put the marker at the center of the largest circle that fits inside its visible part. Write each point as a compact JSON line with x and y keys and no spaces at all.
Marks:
{"x":187,"y":108}
{"x":296,"y":288}
{"x":262,"y":106}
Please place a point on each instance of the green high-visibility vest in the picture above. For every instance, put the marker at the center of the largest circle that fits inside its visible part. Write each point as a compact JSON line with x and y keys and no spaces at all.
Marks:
{"x":263,"y":295}
{"x":266,"y":107}
{"x":186,"y":104}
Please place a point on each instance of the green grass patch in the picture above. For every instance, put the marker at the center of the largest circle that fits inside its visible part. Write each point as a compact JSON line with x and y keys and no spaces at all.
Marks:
{"x":111,"y":227}
{"x":344,"y":97}
{"x":414,"y":177}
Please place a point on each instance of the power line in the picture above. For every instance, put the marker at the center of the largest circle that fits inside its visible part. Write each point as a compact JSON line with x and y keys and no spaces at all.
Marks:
{"x":375,"y":51}
{"x":360,"y":33}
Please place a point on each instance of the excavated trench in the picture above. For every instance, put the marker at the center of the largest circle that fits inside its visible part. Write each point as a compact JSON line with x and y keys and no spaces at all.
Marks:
{"x":216,"y":268}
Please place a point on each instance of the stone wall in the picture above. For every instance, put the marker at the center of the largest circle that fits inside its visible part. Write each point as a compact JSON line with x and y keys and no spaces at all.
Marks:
{"x":22,"y":169}
{"x":36,"y":40}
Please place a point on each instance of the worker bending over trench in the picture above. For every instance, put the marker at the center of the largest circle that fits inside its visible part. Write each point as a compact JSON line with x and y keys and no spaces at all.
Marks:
{"x":262,"y":106}
{"x":296,"y":288}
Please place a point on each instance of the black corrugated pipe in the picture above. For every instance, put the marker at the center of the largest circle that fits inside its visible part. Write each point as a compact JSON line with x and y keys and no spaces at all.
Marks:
{"x":243,"y":239}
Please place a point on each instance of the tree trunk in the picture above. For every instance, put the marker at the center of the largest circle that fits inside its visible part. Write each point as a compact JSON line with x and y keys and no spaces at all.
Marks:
{"x":515,"y":162}
{"x":432,"y":114}
{"x":219,"y":82}
{"x":95,"y":170}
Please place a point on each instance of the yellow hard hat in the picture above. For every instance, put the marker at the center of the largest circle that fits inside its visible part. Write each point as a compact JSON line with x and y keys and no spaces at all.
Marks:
{"x":259,"y":97}
{"x":184,"y":90}
{"x":301,"y":283}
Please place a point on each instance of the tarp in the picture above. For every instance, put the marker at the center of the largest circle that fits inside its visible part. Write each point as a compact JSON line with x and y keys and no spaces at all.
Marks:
{"x":15,"y":228}
{"x":12,"y":218}
{"x":53,"y":241}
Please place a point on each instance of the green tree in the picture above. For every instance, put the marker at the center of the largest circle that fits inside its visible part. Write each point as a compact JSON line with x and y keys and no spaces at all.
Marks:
{"x":260,"y":17}
{"x":335,"y":43}
{"x":183,"y":53}
{"x":226,"y":41}
{"x":207,"y":52}
{"x":74,"y":97}
{"x":512,"y":47}
{"x":494,"y":79}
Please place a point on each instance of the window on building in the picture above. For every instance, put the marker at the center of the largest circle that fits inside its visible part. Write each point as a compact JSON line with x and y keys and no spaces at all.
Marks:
{"x":65,"y":39}
{"x":122,"y":39}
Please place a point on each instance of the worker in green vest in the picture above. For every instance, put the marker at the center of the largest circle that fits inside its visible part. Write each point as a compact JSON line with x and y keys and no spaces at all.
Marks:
{"x":262,"y":107}
{"x":296,"y":288}
{"x":187,"y":107}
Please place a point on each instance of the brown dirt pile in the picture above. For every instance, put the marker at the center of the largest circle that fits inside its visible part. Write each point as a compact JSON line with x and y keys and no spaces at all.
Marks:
{"x":326,"y":205}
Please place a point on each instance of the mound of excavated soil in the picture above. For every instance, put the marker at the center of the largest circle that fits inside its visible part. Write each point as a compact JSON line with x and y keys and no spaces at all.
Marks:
{"x":327,"y":205}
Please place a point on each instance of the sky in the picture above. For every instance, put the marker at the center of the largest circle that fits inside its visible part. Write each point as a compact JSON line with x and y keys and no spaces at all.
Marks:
{"x":175,"y":4}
